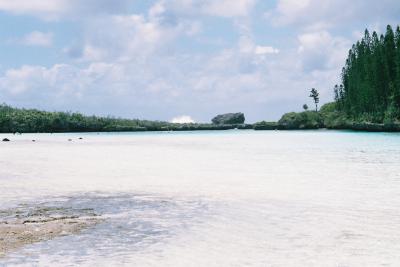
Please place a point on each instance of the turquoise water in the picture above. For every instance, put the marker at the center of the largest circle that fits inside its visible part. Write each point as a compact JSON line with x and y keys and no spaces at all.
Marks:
{"x":229,"y":198}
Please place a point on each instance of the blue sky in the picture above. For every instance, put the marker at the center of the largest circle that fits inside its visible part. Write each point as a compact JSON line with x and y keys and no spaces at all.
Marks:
{"x":162,"y":59}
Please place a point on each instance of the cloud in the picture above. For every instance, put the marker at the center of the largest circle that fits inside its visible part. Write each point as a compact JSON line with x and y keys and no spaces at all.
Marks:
{"x":246,"y":45}
{"x":262,"y":50}
{"x":182,"y":119}
{"x":219,"y":8}
{"x":228,"y":8}
{"x":56,"y":9}
{"x":320,"y":50}
{"x":37,"y":81}
{"x":15,"y":80}
{"x":37,"y":38}
{"x":45,"y":8}
{"x":129,"y":37}
{"x":322,"y":15}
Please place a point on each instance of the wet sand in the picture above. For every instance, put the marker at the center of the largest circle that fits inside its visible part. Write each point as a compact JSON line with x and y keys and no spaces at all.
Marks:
{"x":26,"y":225}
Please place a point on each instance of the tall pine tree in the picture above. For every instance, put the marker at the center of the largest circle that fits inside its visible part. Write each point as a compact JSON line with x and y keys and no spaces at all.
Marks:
{"x":371,"y":77}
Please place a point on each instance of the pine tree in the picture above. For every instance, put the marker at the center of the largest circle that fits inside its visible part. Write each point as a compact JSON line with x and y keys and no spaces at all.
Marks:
{"x":397,"y":61}
{"x":371,"y":77}
{"x":336,"y":92}
{"x":390,"y":65}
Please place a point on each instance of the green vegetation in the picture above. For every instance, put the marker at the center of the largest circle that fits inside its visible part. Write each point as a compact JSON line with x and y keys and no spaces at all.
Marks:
{"x":328,"y":117}
{"x":293,"y":121}
{"x":229,"y":118}
{"x":370,"y":89}
{"x":302,"y":120}
{"x":266,"y":125}
{"x":31,"y":120}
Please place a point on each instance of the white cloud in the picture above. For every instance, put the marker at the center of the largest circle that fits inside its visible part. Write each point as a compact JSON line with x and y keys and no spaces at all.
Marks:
{"x":128,"y":37}
{"x":321,"y":15}
{"x":47,"y":8}
{"x":182,"y":119}
{"x":262,"y":50}
{"x":229,"y":8}
{"x":37,"y":38}
{"x":219,"y":8}
{"x":15,"y":80}
{"x":247,"y":46}
{"x":37,"y":80}
{"x":288,"y":10}
{"x":55,"y":9}
{"x":320,"y":50}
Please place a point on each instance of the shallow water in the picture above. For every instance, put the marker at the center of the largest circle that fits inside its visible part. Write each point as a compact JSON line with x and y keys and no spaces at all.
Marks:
{"x":232,"y":198}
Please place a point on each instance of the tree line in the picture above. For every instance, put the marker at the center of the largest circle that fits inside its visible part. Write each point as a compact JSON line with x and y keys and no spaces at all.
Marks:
{"x":32,"y":120}
{"x":370,"y":85}
{"x":19,"y":120}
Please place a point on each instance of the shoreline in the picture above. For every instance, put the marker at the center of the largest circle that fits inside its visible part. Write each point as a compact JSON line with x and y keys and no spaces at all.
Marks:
{"x":356,"y":127}
{"x":259,"y":126}
{"x":17,"y":120}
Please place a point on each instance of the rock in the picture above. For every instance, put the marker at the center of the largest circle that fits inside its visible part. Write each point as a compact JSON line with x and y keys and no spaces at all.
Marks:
{"x":30,"y":224}
{"x":229,"y":118}
{"x":6,"y":140}
{"x":80,"y":138}
{"x":69,"y":140}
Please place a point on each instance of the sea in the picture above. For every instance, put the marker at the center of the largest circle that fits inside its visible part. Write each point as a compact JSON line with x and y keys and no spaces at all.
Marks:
{"x":211,"y":198}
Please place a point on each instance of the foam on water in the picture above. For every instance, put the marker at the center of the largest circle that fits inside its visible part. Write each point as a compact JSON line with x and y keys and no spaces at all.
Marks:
{"x":234,"y":198}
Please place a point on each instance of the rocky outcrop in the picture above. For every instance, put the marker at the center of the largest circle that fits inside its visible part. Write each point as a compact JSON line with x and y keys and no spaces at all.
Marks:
{"x":229,"y":118}
{"x":303,"y":120}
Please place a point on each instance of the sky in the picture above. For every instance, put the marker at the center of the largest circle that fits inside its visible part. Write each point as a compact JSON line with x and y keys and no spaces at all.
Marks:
{"x":181,"y":60}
